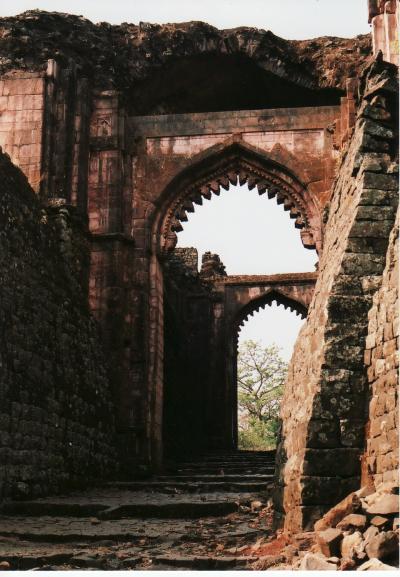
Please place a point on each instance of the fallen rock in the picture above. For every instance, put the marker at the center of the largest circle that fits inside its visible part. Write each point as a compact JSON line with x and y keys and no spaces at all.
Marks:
{"x":370,"y":533}
{"x":335,"y":560}
{"x":388,"y":487}
{"x":289,"y":552}
{"x":329,"y":541}
{"x":379,"y":521}
{"x":365,"y":491}
{"x":350,"y":504}
{"x":85,"y":560}
{"x":347,"y":564}
{"x":5,"y":566}
{"x":382,"y":545}
{"x":268,"y":561}
{"x":375,"y":565}
{"x":315,"y":562}
{"x":387,"y":504}
{"x":353,"y":520}
{"x":350,"y":545}
{"x":256,"y":505}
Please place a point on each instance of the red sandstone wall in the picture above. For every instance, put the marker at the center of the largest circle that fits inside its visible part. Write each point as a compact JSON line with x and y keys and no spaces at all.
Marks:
{"x":384,"y":17}
{"x":22,"y":98}
{"x":382,"y":361}
{"x":322,"y":409}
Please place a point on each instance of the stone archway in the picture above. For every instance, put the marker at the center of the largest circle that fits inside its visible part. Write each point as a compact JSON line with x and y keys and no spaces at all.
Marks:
{"x":210,"y":172}
{"x":236,"y":162}
{"x":182,"y":160}
{"x":243,"y":298}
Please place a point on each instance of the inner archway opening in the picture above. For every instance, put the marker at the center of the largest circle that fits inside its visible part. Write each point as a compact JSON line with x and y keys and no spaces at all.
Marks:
{"x":265,"y":346}
{"x":254,"y":238}
{"x":251,"y":234}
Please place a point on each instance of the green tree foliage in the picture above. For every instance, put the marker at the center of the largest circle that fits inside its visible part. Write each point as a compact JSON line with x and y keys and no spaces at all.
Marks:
{"x":261,"y":376}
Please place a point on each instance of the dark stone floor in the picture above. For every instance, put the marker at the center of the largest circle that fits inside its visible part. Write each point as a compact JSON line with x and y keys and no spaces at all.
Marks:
{"x":207,"y":514}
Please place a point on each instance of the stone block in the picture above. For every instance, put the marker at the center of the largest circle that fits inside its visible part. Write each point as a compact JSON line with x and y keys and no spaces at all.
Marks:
{"x":322,"y":433}
{"x":387,"y":504}
{"x":329,"y":541}
{"x":380,"y":181}
{"x":382,"y":545}
{"x":350,"y":504}
{"x":352,"y":521}
{"x":375,"y":565}
{"x":314,"y":562}
{"x":351,"y":545}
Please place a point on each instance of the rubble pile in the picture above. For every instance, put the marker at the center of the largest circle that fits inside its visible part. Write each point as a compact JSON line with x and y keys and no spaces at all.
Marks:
{"x":360,"y":533}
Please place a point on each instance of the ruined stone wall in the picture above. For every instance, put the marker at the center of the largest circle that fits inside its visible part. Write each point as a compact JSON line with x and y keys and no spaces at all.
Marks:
{"x":22,"y":98}
{"x":323,"y":409}
{"x":188,"y":420}
{"x":56,"y":412}
{"x":381,"y":359}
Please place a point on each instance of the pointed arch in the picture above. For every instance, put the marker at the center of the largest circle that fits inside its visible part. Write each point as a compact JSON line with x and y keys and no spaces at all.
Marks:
{"x":279,"y":296}
{"x":235,"y":162}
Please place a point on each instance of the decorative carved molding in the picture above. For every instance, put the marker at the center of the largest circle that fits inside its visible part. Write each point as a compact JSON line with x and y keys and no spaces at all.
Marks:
{"x":237,"y":166}
{"x":281,"y":298}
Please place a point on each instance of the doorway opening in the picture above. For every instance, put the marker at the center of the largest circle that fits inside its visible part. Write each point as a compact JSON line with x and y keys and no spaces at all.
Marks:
{"x":265,"y":345}
{"x":252,"y":237}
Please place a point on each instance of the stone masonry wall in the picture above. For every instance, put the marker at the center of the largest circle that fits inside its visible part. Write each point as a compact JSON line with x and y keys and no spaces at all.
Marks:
{"x":56,"y":413}
{"x":22,"y":101}
{"x":381,"y":358}
{"x":324,"y":406}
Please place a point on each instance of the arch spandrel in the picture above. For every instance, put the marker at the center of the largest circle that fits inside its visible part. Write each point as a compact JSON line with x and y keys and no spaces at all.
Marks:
{"x":284,"y":296}
{"x":235,"y":162}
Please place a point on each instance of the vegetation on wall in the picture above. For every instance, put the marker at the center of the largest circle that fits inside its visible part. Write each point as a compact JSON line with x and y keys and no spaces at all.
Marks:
{"x":261,"y":376}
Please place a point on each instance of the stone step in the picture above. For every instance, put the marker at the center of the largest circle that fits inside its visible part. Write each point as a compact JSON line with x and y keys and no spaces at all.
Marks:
{"x":51,"y":561}
{"x":234,"y":458}
{"x":195,"y":486}
{"x":238,"y":453}
{"x":72,"y":560}
{"x":226,"y":470}
{"x":161,"y":510}
{"x":200,"y":562}
{"x":229,"y":460}
{"x":222,"y":465}
{"x":51,"y":530}
{"x":211,"y":478}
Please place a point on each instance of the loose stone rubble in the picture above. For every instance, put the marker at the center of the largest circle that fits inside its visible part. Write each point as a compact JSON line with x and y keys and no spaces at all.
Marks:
{"x":347,"y":537}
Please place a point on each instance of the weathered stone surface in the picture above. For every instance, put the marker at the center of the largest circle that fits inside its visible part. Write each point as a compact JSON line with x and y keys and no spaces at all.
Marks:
{"x":347,"y":506}
{"x":382,"y":545}
{"x":351,"y":544}
{"x":333,"y":338}
{"x":385,"y":505}
{"x":128,"y":53}
{"x":91,"y":129}
{"x":329,"y":541}
{"x":353,"y":520}
{"x":375,"y":565}
{"x":347,"y":564}
{"x":379,"y":521}
{"x":60,"y":412}
{"x":370,"y":533}
{"x":313,"y":562}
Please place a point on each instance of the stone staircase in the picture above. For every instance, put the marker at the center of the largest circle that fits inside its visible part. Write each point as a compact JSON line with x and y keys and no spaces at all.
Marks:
{"x":195,"y":515}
